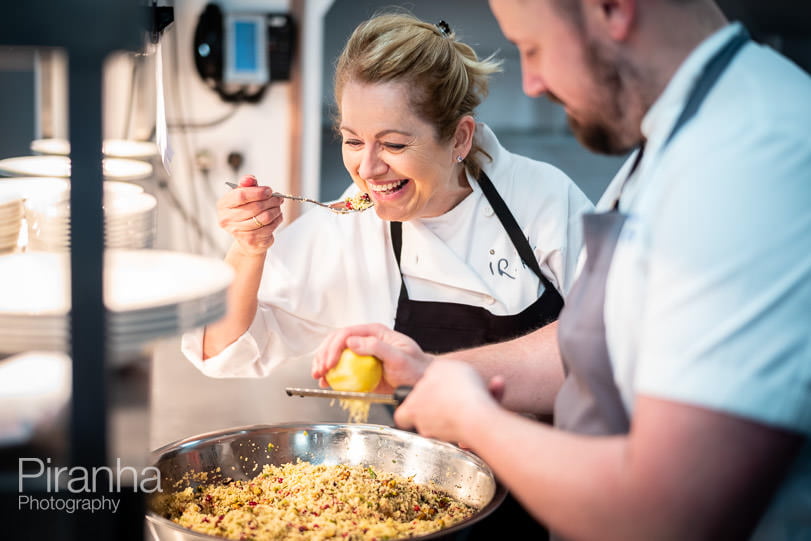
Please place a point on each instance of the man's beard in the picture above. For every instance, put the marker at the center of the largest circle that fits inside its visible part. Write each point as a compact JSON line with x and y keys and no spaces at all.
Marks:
{"x":609,"y":130}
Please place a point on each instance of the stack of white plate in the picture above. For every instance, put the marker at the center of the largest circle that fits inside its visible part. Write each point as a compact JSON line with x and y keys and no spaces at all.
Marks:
{"x":149,"y":294}
{"x":116,"y":148}
{"x":130,"y":217}
{"x":59,"y":166}
{"x":129,"y":213}
{"x":130,"y":222}
{"x":11,"y":217}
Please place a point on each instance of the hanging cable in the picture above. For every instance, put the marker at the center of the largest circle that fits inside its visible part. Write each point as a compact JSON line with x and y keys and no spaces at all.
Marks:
{"x":180,"y":126}
{"x":189,"y":219}
{"x":131,"y":97}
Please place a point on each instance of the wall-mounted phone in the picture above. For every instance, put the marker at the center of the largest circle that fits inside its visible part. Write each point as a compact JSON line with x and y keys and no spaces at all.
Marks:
{"x":239,"y":54}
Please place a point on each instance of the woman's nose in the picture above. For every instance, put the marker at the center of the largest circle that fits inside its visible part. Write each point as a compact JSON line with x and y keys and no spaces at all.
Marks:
{"x":371,"y":165}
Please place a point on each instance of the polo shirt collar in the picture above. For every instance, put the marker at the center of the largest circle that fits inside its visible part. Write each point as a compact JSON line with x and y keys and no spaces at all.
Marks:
{"x":661,"y":117}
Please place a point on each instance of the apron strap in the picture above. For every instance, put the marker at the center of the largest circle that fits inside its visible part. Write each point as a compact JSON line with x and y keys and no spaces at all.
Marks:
{"x":639,"y":154}
{"x":710,"y":74}
{"x":507,"y":221}
{"x":512,"y":228}
{"x":396,"y":229}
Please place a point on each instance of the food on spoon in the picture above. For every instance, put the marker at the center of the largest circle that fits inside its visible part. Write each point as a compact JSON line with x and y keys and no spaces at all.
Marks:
{"x":361,"y":201}
{"x":356,"y":373}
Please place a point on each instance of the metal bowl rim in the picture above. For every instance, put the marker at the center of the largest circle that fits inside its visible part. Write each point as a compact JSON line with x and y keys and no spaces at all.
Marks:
{"x":498,"y":496}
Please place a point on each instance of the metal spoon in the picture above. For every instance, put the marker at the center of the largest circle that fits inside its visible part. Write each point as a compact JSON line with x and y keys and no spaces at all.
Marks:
{"x":338,"y":207}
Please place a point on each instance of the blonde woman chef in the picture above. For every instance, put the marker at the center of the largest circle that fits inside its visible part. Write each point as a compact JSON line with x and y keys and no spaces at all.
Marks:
{"x":467,"y":243}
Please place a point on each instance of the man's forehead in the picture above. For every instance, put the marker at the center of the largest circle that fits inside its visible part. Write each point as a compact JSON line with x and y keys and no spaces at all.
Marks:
{"x":521,"y":20}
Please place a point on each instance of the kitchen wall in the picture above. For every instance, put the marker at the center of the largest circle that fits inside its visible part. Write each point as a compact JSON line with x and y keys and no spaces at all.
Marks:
{"x":203,"y":131}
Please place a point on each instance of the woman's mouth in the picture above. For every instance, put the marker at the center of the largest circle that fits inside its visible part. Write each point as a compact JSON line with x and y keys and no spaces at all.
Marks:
{"x":387,"y":188}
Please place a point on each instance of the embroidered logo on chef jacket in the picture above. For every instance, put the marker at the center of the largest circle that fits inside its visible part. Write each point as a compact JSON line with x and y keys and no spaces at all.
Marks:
{"x":507,"y":264}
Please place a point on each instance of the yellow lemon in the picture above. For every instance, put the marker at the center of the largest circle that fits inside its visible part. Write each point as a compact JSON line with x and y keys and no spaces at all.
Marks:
{"x":360,"y":373}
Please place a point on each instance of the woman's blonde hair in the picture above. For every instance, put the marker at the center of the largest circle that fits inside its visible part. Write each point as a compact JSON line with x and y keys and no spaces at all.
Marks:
{"x":445,"y":76}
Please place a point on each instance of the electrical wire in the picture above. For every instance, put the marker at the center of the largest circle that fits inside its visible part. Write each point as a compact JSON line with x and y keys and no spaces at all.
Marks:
{"x":189,"y":219}
{"x":174,"y":200}
{"x":130,"y":98}
{"x":194,"y":243}
{"x":180,"y":126}
{"x":187,"y":136}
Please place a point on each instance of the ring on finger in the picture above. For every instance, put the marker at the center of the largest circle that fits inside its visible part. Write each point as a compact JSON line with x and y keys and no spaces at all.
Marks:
{"x":257,"y":222}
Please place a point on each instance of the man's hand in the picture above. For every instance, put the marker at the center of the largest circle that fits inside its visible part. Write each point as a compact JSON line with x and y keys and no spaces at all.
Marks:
{"x":449,"y":394}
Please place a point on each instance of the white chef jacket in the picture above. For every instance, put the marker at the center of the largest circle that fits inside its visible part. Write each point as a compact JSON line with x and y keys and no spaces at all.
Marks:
{"x":327,"y":271}
{"x":708,"y":298}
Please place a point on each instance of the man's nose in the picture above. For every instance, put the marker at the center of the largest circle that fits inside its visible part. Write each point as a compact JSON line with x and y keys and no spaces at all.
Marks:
{"x":532,"y":83}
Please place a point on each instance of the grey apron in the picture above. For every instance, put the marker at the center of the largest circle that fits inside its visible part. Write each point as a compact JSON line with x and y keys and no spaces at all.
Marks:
{"x":589,"y":401}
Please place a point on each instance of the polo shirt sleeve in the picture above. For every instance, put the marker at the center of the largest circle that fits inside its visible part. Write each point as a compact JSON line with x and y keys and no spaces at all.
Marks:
{"x":726,"y":323}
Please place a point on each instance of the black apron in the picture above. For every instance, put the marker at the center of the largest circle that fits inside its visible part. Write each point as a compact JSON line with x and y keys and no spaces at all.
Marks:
{"x":440,"y":327}
{"x":589,"y":401}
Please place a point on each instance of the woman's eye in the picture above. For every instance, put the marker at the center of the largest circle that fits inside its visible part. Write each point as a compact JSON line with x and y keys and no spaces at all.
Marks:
{"x":352,"y":143}
{"x":394,"y":146}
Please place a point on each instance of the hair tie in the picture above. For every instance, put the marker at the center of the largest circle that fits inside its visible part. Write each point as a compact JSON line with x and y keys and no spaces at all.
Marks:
{"x":444,"y":28}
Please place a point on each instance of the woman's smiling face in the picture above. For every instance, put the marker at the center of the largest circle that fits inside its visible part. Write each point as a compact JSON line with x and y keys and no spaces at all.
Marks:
{"x":395,"y":156}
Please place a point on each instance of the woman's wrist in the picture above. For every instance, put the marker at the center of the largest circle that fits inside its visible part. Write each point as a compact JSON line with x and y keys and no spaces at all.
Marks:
{"x":241,"y":251}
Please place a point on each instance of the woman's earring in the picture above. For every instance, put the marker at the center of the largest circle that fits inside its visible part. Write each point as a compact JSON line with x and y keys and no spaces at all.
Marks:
{"x":459,"y":158}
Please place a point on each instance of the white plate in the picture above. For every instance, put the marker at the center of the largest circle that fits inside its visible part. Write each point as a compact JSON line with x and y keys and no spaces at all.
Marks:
{"x":120,"y":187}
{"x":11,"y":217}
{"x":14,"y":345}
{"x":10,"y":223}
{"x":159,"y":322}
{"x":8,"y":241}
{"x":59,"y":166}
{"x":10,"y":201}
{"x":35,"y":326}
{"x":152,"y":278}
{"x":125,"y":148}
{"x":118,"y":207}
{"x":37,"y":283}
{"x":118,"y":148}
{"x":60,"y":147}
{"x":41,"y":190}
{"x":37,"y":166}
{"x":35,"y":187}
{"x":151,"y":294}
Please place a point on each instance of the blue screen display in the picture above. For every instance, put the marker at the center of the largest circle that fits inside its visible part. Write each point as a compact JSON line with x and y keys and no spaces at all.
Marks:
{"x":245,"y":46}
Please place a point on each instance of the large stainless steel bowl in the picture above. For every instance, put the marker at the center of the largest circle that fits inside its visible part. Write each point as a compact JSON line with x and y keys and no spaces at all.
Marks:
{"x":240,"y":453}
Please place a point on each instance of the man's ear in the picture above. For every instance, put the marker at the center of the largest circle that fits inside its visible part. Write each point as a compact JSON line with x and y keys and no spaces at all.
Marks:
{"x":614,"y":17}
{"x":463,"y":138}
